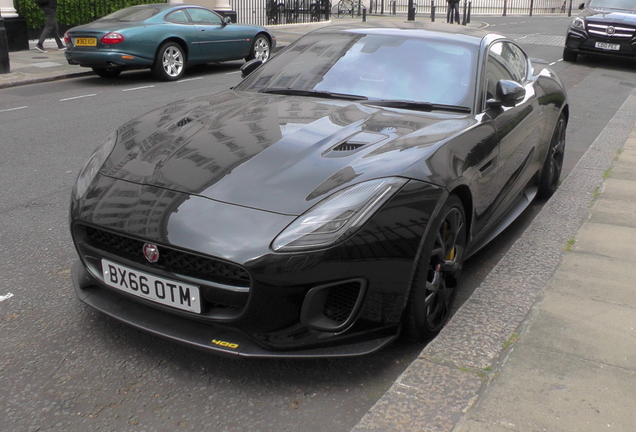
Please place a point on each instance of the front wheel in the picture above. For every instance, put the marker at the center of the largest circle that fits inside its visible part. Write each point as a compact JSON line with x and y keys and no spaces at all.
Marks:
{"x":435,"y":281}
{"x":260,"y":49}
{"x":169,"y":62}
{"x":569,"y":55}
{"x":551,"y":172}
{"x":107,"y":72}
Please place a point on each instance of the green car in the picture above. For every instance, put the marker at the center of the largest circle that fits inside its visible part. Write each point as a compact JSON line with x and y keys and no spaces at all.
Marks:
{"x":165,"y":38}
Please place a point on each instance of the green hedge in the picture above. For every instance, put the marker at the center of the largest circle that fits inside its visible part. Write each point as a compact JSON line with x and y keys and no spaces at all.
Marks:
{"x":71,"y":13}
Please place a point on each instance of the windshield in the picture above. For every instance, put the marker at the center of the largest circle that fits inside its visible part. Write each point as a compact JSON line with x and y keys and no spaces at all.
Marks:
{"x":132,"y":14}
{"x":613,"y":4}
{"x":374,"y":66}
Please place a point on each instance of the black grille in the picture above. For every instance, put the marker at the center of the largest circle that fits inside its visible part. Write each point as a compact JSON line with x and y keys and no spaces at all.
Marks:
{"x":171,"y":260}
{"x":341,"y":301}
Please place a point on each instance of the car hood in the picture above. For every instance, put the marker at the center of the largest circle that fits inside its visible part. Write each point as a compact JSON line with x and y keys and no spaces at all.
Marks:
{"x":610,"y":15}
{"x":276,"y":153}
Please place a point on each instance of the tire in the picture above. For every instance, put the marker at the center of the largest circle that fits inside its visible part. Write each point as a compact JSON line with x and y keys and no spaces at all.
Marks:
{"x":551,"y":171}
{"x":435,"y":281}
{"x":261,"y":49}
{"x":569,"y":55}
{"x":169,"y":62}
{"x":107,"y":72}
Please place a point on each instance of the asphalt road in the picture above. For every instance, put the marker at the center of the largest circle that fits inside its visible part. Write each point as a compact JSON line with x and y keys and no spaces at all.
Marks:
{"x":66,"y":367}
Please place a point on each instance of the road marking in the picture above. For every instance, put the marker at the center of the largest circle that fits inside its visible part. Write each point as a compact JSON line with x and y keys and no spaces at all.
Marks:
{"x":138,"y":88}
{"x":5,"y":297}
{"x":232,"y":73}
{"x":78,"y":97}
{"x":13,"y":109}
{"x":189,"y":79}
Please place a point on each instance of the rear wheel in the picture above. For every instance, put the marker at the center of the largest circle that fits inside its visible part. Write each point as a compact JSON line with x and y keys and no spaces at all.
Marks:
{"x":169,"y":62}
{"x":260,"y":49}
{"x":551,"y":172}
{"x":569,"y":55}
{"x":435,"y":281}
{"x":107,"y":72}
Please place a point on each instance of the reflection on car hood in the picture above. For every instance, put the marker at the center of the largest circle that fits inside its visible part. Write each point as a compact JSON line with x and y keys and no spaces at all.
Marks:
{"x":610,"y":15}
{"x":276,"y":153}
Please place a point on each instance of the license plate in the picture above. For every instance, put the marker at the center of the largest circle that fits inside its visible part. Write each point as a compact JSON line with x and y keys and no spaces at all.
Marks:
{"x":160,"y":290}
{"x":607,"y":46}
{"x":91,"y":42}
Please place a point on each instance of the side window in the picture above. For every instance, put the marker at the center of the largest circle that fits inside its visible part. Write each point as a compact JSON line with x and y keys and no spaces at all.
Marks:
{"x":203,"y":16}
{"x":177,"y":16}
{"x":505,"y":61}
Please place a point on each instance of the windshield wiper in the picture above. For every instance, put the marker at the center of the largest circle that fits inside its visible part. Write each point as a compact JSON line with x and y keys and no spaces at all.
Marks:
{"x":316,"y":93}
{"x":417,"y":106}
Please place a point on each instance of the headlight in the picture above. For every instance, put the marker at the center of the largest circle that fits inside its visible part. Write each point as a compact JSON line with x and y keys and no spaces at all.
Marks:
{"x":338,"y":217}
{"x":578,"y":23}
{"x":95,"y":162}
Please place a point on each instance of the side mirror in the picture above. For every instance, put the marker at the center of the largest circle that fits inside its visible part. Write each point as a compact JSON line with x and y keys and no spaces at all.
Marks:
{"x":250,"y":67}
{"x":509,"y":93}
{"x":226,"y":20}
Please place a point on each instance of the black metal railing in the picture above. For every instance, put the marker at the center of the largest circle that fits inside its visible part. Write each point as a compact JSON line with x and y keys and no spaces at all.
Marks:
{"x":272,"y":12}
{"x":479,"y":7}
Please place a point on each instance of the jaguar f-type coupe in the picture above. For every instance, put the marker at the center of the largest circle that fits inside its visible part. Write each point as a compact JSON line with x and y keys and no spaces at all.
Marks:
{"x":324,"y":205}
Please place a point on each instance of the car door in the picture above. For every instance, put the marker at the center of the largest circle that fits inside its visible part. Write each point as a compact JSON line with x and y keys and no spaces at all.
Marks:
{"x":216,"y":41}
{"x":178,"y":24}
{"x":519,"y":127}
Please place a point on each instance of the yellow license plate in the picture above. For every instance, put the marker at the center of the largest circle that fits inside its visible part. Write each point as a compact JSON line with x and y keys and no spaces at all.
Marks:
{"x":85,"y":42}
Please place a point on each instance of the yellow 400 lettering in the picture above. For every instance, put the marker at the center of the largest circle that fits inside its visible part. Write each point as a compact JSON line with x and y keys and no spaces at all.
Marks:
{"x":224,"y":344}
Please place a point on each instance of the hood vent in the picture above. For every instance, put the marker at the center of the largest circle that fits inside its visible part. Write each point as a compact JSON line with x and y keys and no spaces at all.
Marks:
{"x":354,"y":143}
{"x":348,"y":147}
{"x":180,"y":124}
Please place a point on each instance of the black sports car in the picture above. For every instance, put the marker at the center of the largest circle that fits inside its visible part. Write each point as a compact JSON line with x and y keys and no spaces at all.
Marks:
{"x":604,"y":27}
{"x":328,"y":201}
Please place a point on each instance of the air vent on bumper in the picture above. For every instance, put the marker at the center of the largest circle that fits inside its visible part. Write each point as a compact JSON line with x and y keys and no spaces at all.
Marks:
{"x":333,"y":307}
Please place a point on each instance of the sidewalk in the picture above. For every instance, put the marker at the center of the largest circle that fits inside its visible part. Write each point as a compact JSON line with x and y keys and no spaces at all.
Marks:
{"x":548,"y":340}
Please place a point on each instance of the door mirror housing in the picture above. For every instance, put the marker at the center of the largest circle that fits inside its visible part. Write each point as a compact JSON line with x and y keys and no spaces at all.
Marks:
{"x":509,"y":93}
{"x":250,"y":67}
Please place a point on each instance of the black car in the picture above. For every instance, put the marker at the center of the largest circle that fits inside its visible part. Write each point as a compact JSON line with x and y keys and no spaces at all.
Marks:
{"x":603,"y":27}
{"x":326,"y":203}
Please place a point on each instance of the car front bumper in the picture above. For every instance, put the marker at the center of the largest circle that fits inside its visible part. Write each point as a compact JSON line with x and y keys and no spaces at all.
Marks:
{"x":204,"y":336}
{"x":342,"y":301}
{"x":583,"y":43}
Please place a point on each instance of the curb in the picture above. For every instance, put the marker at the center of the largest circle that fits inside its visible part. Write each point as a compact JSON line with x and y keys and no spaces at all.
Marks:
{"x":44,"y":79}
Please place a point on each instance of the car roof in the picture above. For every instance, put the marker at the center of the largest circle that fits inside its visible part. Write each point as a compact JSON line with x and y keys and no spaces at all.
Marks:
{"x":163,"y":6}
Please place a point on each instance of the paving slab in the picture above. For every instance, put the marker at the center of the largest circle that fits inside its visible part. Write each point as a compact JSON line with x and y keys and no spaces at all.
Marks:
{"x":589,"y":275}
{"x":543,"y":390}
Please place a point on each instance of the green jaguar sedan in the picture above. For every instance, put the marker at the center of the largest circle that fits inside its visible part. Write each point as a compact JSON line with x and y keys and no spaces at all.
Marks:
{"x":166,"y":38}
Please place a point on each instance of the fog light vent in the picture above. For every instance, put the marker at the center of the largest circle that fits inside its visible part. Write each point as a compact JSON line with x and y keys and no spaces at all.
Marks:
{"x":333,"y":307}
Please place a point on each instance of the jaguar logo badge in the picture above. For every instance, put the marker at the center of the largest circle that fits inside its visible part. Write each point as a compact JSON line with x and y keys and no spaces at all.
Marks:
{"x":610,"y":31}
{"x":151,"y":252}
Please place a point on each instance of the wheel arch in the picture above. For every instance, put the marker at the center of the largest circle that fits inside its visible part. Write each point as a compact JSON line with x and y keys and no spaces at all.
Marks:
{"x":566,"y":113}
{"x":267,"y":35}
{"x":177,"y":40}
{"x":464,"y":195}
